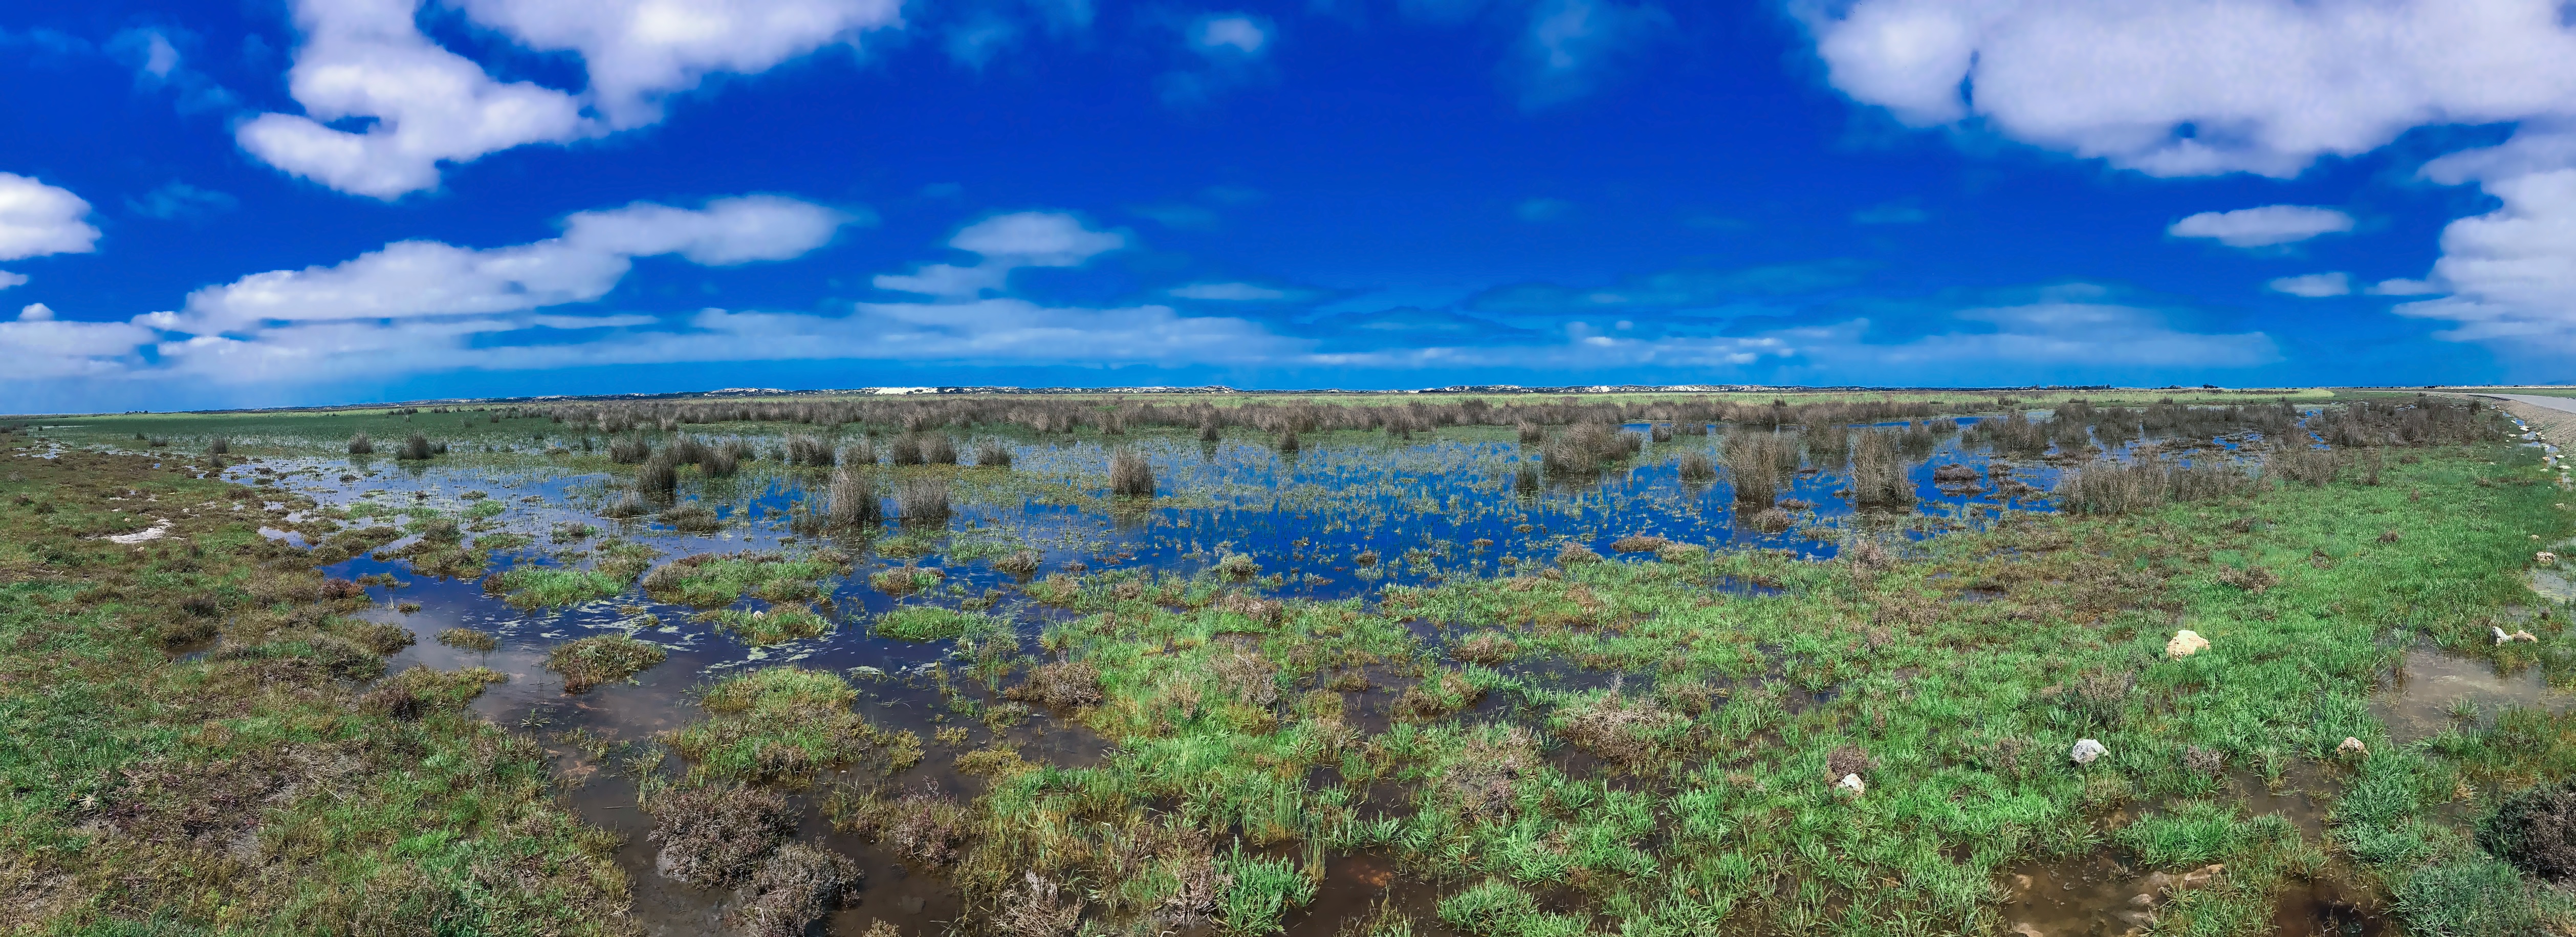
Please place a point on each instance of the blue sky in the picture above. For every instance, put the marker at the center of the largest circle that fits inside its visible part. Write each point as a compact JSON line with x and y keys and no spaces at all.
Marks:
{"x":312,"y":201}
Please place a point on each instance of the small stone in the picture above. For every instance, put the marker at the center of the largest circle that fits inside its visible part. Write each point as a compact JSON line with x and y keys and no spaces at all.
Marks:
{"x":2026,"y":929}
{"x":2352,"y":746}
{"x":2500,"y":636}
{"x":1852,"y":783}
{"x":2086,"y":750}
{"x":2186,"y":643}
{"x":2545,"y":558}
{"x":2524,"y":636}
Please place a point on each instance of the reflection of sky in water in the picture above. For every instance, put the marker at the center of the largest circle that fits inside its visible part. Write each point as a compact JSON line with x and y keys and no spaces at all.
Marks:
{"x":1311,"y":518}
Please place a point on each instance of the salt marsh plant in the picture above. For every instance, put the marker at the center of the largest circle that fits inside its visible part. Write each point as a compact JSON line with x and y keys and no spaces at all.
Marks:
{"x":218,"y":446}
{"x":1130,"y":476}
{"x":629,"y":450}
{"x":809,"y":451}
{"x":855,"y":500}
{"x":1758,"y":464}
{"x":906,"y":450}
{"x":361,"y":445}
{"x":658,"y":478}
{"x":720,"y":463}
{"x":938,"y":449}
{"x":991,"y":453}
{"x":923,"y":501}
{"x":859,"y":452}
{"x":1584,"y":449}
{"x":1697,"y":468}
{"x":415,"y":448}
{"x":1878,"y":472}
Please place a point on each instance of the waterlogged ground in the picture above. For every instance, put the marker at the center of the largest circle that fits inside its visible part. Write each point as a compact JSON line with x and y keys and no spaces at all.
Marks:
{"x":1611,"y":702}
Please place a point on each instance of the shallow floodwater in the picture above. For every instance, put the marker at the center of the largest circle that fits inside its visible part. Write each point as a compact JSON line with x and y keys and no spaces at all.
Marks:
{"x":1339,"y":521}
{"x":2435,"y":691}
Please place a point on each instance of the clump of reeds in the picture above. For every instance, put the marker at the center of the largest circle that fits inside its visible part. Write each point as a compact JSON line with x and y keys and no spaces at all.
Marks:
{"x":938,"y":449}
{"x":854,"y":500}
{"x":658,"y":477}
{"x":1531,"y":432}
{"x":861,"y":452}
{"x":628,"y":504}
{"x":808,"y":450}
{"x":1288,"y":441}
{"x":1527,"y":480}
{"x":1661,"y":432}
{"x":1829,"y":444}
{"x":1208,"y":432}
{"x":688,"y":450}
{"x":923,"y":501}
{"x":905,"y":451}
{"x":2108,"y":487}
{"x":1697,"y":468}
{"x":1130,"y":476}
{"x":361,"y":445}
{"x":415,"y":447}
{"x":2208,"y":481}
{"x":628,"y":450}
{"x":1758,"y":464}
{"x":2310,"y":466}
{"x":1583,"y":448}
{"x":719,"y":463}
{"x":219,"y":446}
{"x":992,"y":454}
{"x":1878,"y":472}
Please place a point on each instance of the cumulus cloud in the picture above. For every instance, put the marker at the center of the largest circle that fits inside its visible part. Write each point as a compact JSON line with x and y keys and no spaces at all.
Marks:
{"x":8,"y":279}
{"x":414,"y":279}
{"x":423,"y":105}
{"x":2262,"y":227}
{"x":2510,"y":272}
{"x":39,"y":346}
{"x":2313,"y":285}
{"x":38,"y":219}
{"x":2201,"y":86}
{"x":1232,"y":50}
{"x":1006,"y":243}
{"x":637,"y":51}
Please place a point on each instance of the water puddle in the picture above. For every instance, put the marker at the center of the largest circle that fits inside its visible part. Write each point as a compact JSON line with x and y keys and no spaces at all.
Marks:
{"x":2434,"y":691}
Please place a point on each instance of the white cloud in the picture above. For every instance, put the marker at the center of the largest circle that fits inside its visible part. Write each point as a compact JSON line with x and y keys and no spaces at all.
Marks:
{"x":8,"y":279}
{"x":413,"y":279}
{"x":2511,"y":272}
{"x":1569,"y":45}
{"x":637,"y":51}
{"x":38,"y":219}
{"x":2196,"y":87}
{"x":367,"y":60}
{"x":2313,"y":285}
{"x":1232,"y":48}
{"x":1229,"y":292}
{"x":1007,"y":243}
{"x":2403,"y":287}
{"x":39,"y":347}
{"x":1230,"y":34}
{"x":2262,"y":227}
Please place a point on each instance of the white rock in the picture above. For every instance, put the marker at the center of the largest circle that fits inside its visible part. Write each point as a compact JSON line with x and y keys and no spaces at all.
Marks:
{"x":2087,"y":749}
{"x":2545,"y":558}
{"x":2524,"y":636}
{"x":2352,"y":746}
{"x":2500,"y":636}
{"x":1852,"y":783}
{"x":2186,"y":643}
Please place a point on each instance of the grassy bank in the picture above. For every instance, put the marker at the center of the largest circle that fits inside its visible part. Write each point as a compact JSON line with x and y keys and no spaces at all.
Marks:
{"x":271,"y":783}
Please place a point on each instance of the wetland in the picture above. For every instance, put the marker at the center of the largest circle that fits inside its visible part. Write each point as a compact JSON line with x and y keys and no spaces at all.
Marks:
{"x":1690,"y":664}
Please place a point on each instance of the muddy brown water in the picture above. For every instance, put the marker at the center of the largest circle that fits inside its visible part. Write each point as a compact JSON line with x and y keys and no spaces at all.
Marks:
{"x":2427,"y":694}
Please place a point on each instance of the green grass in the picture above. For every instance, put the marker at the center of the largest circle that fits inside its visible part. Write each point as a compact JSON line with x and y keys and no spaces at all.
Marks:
{"x":931,"y":623}
{"x":529,"y":587}
{"x":782,"y":725}
{"x":591,"y":661}
{"x":776,"y":624}
{"x":710,"y":581}
{"x":252,"y":791}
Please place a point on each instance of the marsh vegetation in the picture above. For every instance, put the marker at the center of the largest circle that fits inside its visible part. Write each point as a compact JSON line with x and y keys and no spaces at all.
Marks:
{"x":1639,"y":666}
